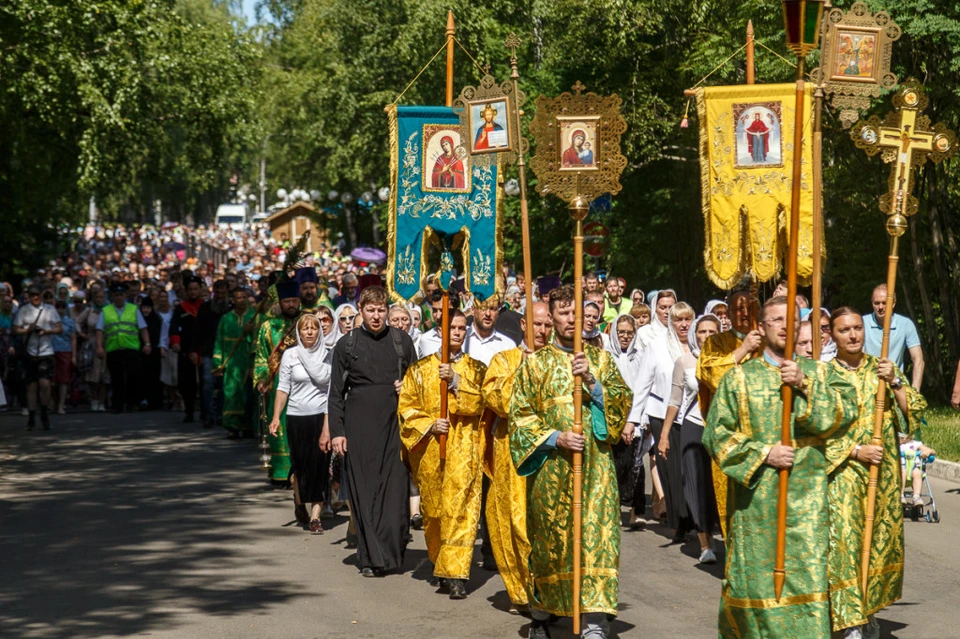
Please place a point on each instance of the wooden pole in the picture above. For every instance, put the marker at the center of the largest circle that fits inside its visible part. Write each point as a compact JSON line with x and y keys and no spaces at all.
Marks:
{"x":524,"y":210}
{"x":786,"y":392}
{"x":445,"y":313}
{"x":880,"y":406}
{"x":751,"y":78}
{"x":578,"y":210}
{"x":817,"y":293}
{"x":750,"y":48}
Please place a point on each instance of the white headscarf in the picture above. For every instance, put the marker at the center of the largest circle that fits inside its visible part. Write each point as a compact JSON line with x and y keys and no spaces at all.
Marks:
{"x":413,"y":331}
{"x":692,"y":335}
{"x":655,"y":330}
{"x":628,"y":361}
{"x":712,"y":304}
{"x":596,"y":328}
{"x":674,"y":345}
{"x":313,"y":359}
{"x":336,"y":320}
{"x":330,"y":339}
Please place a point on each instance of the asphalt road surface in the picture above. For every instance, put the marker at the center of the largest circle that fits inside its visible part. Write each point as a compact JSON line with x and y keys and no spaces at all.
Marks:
{"x":138,"y":525}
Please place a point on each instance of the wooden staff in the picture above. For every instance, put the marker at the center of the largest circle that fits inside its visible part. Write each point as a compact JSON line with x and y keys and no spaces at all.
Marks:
{"x":751,"y":78}
{"x":817,"y":293}
{"x":880,"y":406}
{"x":445,"y":313}
{"x":514,"y":42}
{"x":786,"y":392}
{"x":578,"y":210}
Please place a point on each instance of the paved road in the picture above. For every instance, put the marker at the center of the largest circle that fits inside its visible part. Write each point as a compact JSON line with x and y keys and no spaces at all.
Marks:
{"x":138,"y":525}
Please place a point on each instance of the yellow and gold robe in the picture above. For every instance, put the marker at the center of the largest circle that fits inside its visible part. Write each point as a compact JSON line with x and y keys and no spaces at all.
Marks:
{"x":542,"y":405}
{"x":507,"y":498}
{"x":741,"y":429}
{"x":716,"y":359}
{"x":449,"y":490}
{"x":848,"y":501}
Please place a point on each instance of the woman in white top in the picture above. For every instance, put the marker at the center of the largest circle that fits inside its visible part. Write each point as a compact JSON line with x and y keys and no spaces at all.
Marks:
{"x":650,"y":400}
{"x":303,"y":389}
{"x":168,"y":359}
{"x":656,"y":330}
{"x":697,"y":476}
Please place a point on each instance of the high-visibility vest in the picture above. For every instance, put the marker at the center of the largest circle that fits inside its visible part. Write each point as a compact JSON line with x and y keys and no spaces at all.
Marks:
{"x":120,"y":329}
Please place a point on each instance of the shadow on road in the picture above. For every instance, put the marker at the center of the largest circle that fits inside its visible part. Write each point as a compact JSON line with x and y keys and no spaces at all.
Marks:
{"x":96,"y":542}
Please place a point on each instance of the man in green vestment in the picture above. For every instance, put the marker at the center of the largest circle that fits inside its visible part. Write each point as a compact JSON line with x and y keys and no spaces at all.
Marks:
{"x":265,"y":381}
{"x":742,"y":434}
{"x":311,"y":295}
{"x":849,"y":459}
{"x":232,"y":360}
{"x":542,"y":444}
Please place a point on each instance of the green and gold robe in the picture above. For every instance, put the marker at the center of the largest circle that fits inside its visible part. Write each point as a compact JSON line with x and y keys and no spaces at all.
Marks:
{"x":847,"y":493}
{"x":741,"y":429}
{"x":232,"y":353}
{"x":450,"y":490}
{"x":507,"y":499}
{"x":541,"y":405}
{"x":271,"y":332}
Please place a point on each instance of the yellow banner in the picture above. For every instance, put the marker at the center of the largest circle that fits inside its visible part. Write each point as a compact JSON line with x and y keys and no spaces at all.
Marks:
{"x":746,"y":174}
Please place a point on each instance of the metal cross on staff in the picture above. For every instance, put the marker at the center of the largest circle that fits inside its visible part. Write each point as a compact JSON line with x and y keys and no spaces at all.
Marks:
{"x":906,"y":139}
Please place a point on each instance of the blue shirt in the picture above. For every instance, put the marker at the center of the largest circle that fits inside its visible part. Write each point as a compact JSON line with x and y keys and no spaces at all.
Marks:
{"x":61,"y":341}
{"x":903,"y":335}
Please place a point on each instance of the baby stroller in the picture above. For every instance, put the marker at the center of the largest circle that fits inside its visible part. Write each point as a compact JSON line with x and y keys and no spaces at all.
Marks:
{"x":928,"y":508}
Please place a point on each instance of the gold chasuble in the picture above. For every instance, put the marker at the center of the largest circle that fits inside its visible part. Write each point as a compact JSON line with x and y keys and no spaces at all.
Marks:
{"x":542,"y":405}
{"x":742,"y":427}
{"x":507,"y":499}
{"x":449,"y":490}
{"x":848,"y":499}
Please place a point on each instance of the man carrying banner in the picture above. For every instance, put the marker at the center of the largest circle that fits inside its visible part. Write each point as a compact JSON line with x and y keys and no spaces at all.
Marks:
{"x":506,"y":510}
{"x":542,"y":445}
{"x":742,"y":434}
{"x":450,"y":488}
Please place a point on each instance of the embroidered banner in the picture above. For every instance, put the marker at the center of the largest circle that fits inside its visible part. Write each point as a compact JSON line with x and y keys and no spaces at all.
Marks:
{"x":438,"y":197}
{"x":746,"y":175}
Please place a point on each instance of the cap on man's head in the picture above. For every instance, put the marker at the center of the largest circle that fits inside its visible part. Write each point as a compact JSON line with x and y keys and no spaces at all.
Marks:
{"x":306,"y":275}
{"x":33,"y":289}
{"x":287,"y":289}
{"x":547,"y":283}
{"x":118,"y":287}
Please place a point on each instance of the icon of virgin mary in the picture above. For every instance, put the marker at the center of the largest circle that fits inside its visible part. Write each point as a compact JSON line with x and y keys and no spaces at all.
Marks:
{"x":448,"y":172}
{"x":571,"y":157}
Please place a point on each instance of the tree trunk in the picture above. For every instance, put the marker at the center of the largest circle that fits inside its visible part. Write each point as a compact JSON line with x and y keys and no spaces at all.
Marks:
{"x":943,"y":278}
{"x":931,"y":355}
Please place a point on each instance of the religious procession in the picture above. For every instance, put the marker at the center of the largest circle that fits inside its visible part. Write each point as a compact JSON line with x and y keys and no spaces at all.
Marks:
{"x":564,"y":369}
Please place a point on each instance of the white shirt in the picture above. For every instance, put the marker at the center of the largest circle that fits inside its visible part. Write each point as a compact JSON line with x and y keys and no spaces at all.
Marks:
{"x":429,"y":343}
{"x":46,"y":318}
{"x":484,"y":348}
{"x":304,"y":397}
{"x":654,"y":383}
{"x":141,"y":323}
{"x":165,"y":328}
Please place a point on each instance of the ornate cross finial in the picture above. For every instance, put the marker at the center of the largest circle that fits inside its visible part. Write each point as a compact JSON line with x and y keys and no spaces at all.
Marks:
{"x":486,"y":69}
{"x":513,"y":43}
{"x":578,"y":88}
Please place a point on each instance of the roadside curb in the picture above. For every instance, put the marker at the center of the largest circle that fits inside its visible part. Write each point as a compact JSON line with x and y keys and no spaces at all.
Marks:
{"x":943,"y":469}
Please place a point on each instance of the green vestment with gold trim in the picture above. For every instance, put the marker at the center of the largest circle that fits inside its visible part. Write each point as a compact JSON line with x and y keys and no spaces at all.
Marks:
{"x":271,"y":333}
{"x":847,"y":492}
{"x":232,"y":353}
{"x":542,"y":403}
{"x":742,"y":427}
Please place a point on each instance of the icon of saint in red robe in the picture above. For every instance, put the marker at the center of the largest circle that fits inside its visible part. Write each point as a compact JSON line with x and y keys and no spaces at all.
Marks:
{"x":448,"y":172}
{"x":758,"y":139}
{"x":571,"y":157}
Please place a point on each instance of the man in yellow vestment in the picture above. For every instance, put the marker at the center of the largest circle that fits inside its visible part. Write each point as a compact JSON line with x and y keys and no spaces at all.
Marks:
{"x":507,"y":499}
{"x":542,"y":443}
{"x":450,"y":488}
{"x":719,"y":354}
{"x":849,"y":460}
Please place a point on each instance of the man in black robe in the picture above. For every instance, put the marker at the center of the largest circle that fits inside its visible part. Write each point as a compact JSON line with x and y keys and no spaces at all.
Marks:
{"x":368,"y":366}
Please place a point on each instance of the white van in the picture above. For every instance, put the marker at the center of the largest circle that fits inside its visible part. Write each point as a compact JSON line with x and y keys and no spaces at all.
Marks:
{"x":233,"y":216}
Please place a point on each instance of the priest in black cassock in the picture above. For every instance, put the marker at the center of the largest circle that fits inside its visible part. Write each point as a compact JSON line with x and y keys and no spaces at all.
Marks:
{"x":368,"y":366}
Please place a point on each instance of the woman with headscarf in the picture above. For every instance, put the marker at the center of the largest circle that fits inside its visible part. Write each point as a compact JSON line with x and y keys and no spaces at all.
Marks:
{"x":168,"y":359}
{"x":651,"y":397}
{"x":343,"y":318}
{"x":719,"y":309}
{"x":592,"y":334}
{"x":97,"y":375}
{"x":684,"y":409}
{"x":656,"y":331}
{"x":303,"y":389}
{"x":629,"y":456}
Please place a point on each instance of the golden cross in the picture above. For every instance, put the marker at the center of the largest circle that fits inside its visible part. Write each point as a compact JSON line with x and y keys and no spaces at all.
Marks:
{"x":904,"y":145}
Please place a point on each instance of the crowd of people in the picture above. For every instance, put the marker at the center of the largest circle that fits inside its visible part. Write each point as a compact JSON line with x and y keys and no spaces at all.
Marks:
{"x":349,"y":391}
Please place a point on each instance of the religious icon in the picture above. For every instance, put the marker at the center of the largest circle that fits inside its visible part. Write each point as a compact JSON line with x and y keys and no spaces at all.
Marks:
{"x":942,"y":143}
{"x":578,"y":141}
{"x":855,"y":57}
{"x":488,"y":125}
{"x":868,"y":135}
{"x":759,"y":143}
{"x":445,"y":166}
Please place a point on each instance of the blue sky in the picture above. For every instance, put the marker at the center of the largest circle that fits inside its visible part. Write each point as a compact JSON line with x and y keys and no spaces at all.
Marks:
{"x":248,"y":10}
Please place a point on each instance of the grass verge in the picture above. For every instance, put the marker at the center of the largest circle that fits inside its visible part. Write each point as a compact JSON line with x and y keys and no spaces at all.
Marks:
{"x":942,"y":432}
